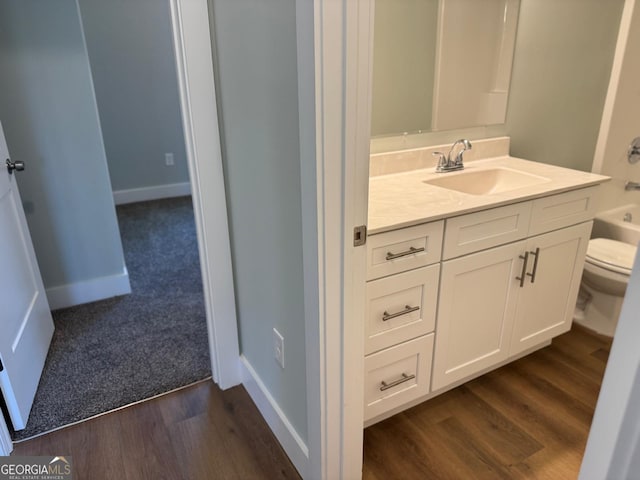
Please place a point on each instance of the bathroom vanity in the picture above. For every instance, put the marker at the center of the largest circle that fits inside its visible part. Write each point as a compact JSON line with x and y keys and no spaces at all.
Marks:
{"x":467,"y":271}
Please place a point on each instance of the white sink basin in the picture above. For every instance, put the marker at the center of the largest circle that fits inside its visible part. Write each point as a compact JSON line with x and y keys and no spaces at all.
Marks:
{"x":486,"y":181}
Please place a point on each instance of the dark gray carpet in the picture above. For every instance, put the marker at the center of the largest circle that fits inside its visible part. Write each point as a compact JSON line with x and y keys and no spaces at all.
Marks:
{"x":114,"y":352}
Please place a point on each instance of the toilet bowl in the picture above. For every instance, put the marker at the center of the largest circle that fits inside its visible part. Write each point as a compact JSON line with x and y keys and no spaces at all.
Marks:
{"x":604,"y":281}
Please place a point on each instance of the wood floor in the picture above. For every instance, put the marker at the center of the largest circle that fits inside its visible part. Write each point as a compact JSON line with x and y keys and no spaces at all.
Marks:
{"x":529,"y":419}
{"x":196,"y":433}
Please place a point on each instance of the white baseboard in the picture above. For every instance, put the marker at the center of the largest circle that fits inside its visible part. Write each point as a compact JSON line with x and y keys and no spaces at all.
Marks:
{"x":293,"y":445}
{"x":157,"y":192}
{"x":89,"y":291}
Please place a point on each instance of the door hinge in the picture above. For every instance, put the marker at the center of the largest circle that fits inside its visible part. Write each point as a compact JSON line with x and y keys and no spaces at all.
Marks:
{"x":359,"y":235}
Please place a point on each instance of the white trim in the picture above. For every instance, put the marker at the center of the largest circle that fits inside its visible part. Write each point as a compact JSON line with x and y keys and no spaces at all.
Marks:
{"x":6,"y":446}
{"x":291,"y":442}
{"x":615,"y":429}
{"x":343,"y":47}
{"x":614,"y":82}
{"x":144,"y":194}
{"x":194,"y":62}
{"x":309,"y":202}
{"x":92,"y":290}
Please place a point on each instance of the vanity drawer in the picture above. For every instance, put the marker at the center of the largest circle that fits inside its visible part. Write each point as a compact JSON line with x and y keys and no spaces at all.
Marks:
{"x":401,"y":307}
{"x":404,"y":249}
{"x":489,"y":228}
{"x":397,"y":375}
{"x":562,"y":210}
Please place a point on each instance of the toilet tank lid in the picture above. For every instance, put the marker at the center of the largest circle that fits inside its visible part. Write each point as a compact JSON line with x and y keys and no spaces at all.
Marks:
{"x":612,"y":252}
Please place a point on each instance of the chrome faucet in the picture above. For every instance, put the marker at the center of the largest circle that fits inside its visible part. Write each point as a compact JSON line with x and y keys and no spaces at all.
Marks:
{"x":632,"y":186}
{"x":446,"y":163}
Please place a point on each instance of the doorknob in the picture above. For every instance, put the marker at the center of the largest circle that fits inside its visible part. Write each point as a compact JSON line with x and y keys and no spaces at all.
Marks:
{"x":17,"y":165}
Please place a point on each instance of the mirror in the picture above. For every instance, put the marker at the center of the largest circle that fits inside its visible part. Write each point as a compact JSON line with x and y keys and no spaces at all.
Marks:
{"x":441,"y":64}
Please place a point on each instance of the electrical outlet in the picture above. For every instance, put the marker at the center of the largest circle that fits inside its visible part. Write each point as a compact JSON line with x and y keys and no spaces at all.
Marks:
{"x":278,"y":347}
{"x":168,"y":159}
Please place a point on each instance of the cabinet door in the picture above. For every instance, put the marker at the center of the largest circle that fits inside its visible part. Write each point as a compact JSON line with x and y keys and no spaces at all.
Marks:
{"x":547,"y":301}
{"x":477,"y":303}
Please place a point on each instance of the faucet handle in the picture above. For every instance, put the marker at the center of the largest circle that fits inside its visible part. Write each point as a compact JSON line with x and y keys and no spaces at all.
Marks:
{"x":442,"y":161}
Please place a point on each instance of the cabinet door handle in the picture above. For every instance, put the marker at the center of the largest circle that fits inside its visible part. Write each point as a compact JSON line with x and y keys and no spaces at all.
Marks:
{"x":524,"y":268}
{"x":535,"y":265}
{"x":407,"y":309}
{"x":411,"y":251}
{"x":405,"y":378}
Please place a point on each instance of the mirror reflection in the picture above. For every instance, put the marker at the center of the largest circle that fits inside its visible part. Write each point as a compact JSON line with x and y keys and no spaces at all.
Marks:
{"x":441,"y":64}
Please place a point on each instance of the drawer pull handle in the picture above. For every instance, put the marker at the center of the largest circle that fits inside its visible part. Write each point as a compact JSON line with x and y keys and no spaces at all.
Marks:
{"x":411,"y":251}
{"x":524,"y":269}
{"x":535,"y":265}
{"x":405,"y":378}
{"x":407,"y":309}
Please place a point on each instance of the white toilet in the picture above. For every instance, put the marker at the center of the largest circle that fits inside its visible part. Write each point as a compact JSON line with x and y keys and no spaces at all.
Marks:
{"x":604,"y":282}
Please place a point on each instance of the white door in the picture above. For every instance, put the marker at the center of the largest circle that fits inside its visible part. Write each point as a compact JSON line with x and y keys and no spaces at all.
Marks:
{"x":26,"y":326}
{"x":545,"y":308}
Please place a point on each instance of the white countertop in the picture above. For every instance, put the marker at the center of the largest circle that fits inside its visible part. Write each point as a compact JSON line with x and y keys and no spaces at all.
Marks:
{"x":403,"y":199}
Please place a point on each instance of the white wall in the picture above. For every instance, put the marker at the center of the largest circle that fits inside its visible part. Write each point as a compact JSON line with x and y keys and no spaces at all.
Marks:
{"x":134,"y":73}
{"x":48,"y":110}
{"x":257,"y":85}
{"x":621,"y":122}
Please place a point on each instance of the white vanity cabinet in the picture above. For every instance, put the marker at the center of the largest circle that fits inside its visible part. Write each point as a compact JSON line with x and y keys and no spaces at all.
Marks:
{"x":491,"y":286}
{"x":502,"y":301}
{"x":498,"y":303}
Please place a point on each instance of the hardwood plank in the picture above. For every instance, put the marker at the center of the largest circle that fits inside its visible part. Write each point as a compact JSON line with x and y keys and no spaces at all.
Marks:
{"x":100,"y":454}
{"x":564,"y":377}
{"x":497,"y":433}
{"x":399,"y":447}
{"x":257,"y":440}
{"x":581,"y":340}
{"x":195,"y":433}
{"x":454,"y":434}
{"x":540,"y":390}
{"x":540,"y":420}
{"x":529,"y":419}
{"x":587,"y":365}
{"x":201,"y":451}
{"x":147,"y":451}
{"x":601,"y":354}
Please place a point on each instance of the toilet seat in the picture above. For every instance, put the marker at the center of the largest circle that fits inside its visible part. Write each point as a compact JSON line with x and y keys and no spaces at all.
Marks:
{"x":611,"y":255}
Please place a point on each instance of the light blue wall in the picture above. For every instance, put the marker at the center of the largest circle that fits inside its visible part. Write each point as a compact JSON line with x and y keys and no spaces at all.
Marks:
{"x":49,"y":115}
{"x":564,"y":52}
{"x":255,"y":45}
{"x":132,"y":60}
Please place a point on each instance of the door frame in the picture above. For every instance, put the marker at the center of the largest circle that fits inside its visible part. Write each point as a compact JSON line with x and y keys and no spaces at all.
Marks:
{"x":334,"y":187}
{"x":194,"y":66}
{"x":335,"y":56}
{"x":342,"y":53}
